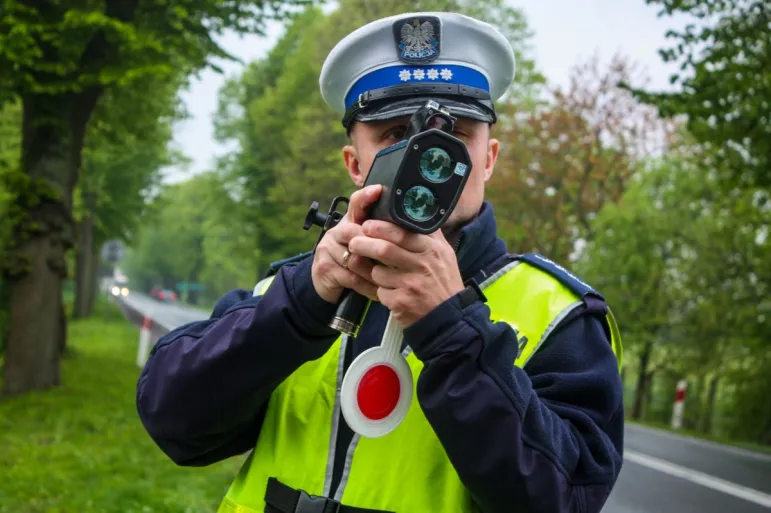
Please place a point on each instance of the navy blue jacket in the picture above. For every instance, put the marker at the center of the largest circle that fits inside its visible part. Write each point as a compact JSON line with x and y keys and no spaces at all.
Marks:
{"x":547,"y":439}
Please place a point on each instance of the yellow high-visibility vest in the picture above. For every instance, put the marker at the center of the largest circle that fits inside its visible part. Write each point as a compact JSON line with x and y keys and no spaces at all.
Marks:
{"x":406,"y":470}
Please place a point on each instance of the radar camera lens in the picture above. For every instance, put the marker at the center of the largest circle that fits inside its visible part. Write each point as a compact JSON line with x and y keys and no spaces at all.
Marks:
{"x":420,"y":203}
{"x":436,"y":165}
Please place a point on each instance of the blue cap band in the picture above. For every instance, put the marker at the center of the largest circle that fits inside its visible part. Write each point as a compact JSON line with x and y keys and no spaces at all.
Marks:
{"x":399,"y":75}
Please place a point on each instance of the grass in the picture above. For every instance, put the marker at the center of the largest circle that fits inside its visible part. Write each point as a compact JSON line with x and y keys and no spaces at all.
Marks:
{"x":710,"y":438}
{"x":81,"y":448}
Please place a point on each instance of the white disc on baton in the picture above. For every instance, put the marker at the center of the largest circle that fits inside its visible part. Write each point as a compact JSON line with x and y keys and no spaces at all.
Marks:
{"x":377,"y":388}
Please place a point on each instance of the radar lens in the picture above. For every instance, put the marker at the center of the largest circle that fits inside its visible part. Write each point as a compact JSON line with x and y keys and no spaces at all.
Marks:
{"x":420,"y":203}
{"x":436,"y":165}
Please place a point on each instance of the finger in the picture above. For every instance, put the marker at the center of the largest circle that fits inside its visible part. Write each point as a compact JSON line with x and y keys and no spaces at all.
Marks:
{"x":335,"y":252}
{"x":344,"y":232}
{"x":413,"y":242}
{"x":360,"y":202}
{"x":350,"y":280}
{"x":383,"y":251}
{"x":390,"y":298}
{"x":387,"y":277}
{"x":361,"y":265}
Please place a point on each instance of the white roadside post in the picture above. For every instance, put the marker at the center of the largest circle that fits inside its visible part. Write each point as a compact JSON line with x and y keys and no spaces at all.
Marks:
{"x":145,"y":336}
{"x":677,"y":410}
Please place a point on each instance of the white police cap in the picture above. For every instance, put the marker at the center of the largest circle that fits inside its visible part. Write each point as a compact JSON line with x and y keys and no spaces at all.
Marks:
{"x":389,"y":67}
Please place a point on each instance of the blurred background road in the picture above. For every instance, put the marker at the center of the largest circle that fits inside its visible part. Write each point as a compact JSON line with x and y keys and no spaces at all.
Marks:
{"x":662,"y":472}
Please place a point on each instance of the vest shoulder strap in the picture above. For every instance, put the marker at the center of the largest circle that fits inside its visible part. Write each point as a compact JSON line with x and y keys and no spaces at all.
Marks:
{"x":275,"y":266}
{"x":591,"y":298}
{"x":568,"y":279}
{"x":263,"y":284}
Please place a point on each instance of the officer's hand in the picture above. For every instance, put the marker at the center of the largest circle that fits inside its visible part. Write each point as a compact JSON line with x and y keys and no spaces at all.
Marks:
{"x":328,"y":274}
{"x":416,"y":273}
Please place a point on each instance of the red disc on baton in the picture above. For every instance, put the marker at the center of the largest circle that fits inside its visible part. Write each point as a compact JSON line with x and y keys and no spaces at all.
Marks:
{"x":376,"y":392}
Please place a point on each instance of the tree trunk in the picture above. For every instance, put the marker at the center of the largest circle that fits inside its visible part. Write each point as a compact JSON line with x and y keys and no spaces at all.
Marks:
{"x":709,"y":406}
{"x":84,"y":261}
{"x":94,"y":285}
{"x":53,"y":128}
{"x":649,"y":396}
{"x":642,"y":375}
{"x":765,"y":435}
{"x":62,"y":333}
{"x":35,"y":334}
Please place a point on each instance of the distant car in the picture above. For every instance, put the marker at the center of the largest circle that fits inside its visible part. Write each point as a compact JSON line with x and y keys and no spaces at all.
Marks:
{"x":164,"y":294}
{"x":119,"y":291}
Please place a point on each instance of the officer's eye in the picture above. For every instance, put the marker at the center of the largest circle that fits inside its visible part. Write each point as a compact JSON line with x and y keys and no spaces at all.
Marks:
{"x":396,"y":133}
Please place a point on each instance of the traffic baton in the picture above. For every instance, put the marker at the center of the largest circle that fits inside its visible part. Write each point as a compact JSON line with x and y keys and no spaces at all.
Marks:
{"x":377,"y":389}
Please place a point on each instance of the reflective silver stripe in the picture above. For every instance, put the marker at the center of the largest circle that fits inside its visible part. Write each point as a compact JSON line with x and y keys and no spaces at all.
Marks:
{"x":347,"y":467}
{"x":256,"y":291}
{"x":335,"y":419}
{"x":500,"y":272}
{"x":553,"y":324}
{"x":351,"y":448}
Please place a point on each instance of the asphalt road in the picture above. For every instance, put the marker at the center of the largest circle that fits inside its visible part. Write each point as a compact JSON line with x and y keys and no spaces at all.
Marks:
{"x":168,"y":315}
{"x":667,"y":473}
{"x":662,"y":472}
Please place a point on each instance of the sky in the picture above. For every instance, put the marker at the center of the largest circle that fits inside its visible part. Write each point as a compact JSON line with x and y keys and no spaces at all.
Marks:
{"x":566,"y":32}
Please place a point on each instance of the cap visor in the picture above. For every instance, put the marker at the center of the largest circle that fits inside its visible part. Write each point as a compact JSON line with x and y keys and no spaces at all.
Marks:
{"x":469,"y":109}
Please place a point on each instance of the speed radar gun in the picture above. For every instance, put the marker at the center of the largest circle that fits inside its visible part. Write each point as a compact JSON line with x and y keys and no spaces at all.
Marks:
{"x":422,"y":178}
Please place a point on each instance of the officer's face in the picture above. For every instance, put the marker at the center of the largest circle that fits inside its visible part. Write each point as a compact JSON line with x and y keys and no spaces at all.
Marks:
{"x":369,"y":138}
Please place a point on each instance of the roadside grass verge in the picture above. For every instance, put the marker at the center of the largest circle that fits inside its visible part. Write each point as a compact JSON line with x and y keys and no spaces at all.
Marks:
{"x":81,"y":448}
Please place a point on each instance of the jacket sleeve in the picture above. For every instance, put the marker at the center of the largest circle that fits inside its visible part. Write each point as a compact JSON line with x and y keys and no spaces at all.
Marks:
{"x":549,"y":439}
{"x":202,"y":393}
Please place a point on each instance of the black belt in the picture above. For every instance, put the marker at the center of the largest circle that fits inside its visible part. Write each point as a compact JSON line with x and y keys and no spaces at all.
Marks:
{"x":280,"y":498}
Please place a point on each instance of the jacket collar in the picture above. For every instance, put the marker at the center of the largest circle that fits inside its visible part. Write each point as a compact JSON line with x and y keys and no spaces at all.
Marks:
{"x":479,"y":244}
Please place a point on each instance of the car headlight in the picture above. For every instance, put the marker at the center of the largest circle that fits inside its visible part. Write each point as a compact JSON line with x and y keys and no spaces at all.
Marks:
{"x":124,"y":291}
{"x":115,"y":291}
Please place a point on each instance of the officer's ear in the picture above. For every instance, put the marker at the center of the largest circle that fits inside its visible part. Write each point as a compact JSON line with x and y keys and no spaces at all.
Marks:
{"x":353,"y":163}
{"x":493,"y":147}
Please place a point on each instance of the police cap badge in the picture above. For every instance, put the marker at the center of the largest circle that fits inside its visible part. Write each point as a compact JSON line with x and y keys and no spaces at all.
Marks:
{"x":418,"y":39}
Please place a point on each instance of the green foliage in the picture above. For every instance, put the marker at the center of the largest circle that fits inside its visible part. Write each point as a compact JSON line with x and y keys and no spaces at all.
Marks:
{"x":725,"y":81}
{"x":82,"y":446}
{"x":683,"y":263}
{"x":10,"y":152}
{"x":126,"y":148}
{"x":55,"y":49}
{"x":59,"y":59}
{"x":190,"y":237}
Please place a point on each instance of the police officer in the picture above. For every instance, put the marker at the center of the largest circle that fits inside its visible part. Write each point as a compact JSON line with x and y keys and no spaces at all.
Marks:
{"x":518,"y":404}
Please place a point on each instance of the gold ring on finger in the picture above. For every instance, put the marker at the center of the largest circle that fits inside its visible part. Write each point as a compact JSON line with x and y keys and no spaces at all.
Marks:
{"x":346,"y":256}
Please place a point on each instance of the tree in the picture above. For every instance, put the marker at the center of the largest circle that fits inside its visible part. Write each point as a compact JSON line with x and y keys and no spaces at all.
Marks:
{"x":127,"y":145}
{"x":725,"y":81}
{"x":562,"y":161}
{"x":59,"y":59}
{"x":684,"y":262}
{"x":249,"y":115}
{"x":634,"y":268}
{"x":10,"y":142}
{"x":189,"y":237}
